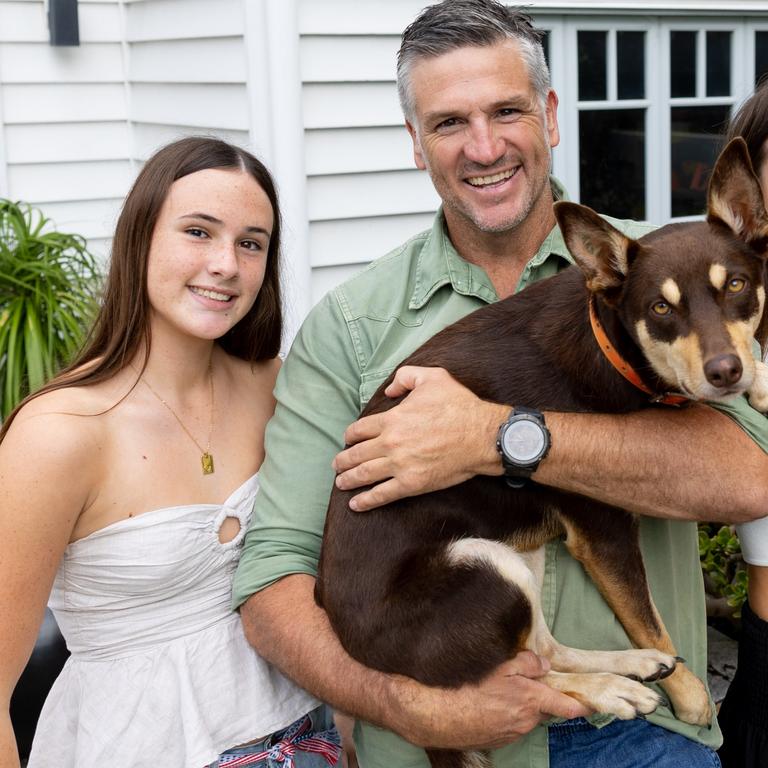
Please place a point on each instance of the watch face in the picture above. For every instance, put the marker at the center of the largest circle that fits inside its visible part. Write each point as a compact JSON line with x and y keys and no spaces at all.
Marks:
{"x":523,"y":441}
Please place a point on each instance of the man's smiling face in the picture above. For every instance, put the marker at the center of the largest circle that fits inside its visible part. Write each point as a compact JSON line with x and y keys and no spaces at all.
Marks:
{"x":480,"y":131}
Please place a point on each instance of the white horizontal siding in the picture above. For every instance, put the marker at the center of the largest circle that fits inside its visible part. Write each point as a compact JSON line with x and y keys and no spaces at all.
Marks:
{"x":364,"y":195}
{"x":344,"y":17}
{"x":27,"y":22}
{"x":148,"y":137}
{"x":63,"y":102}
{"x":43,"y":63}
{"x":65,"y":132}
{"x":69,"y":142}
{"x":93,"y":219}
{"x":210,"y":60}
{"x":191,"y":19}
{"x":58,"y":182}
{"x":348,"y":59}
{"x":342,"y":105}
{"x":356,"y":241}
{"x":198,"y":106}
{"x":370,"y":194}
{"x":356,"y":150}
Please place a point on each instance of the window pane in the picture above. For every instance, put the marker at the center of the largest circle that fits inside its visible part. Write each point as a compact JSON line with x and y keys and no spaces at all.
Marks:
{"x":696,"y":141}
{"x":718,"y":63}
{"x":682,"y":54}
{"x":612,"y":161}
{"x":761,"y":55}
{"x":630,"y":54}
{"x":592,"y":65}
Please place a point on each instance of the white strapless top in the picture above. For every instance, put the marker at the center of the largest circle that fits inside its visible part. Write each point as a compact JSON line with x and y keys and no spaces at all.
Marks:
{"x":160,"y":671}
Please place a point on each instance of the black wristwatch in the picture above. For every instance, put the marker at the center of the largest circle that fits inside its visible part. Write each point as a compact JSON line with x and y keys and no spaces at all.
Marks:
{"x":523,"y":441}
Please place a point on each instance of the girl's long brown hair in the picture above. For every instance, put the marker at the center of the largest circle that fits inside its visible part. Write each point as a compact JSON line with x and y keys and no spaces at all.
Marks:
{"x":122,"y":323}
{"x":751,"y":123}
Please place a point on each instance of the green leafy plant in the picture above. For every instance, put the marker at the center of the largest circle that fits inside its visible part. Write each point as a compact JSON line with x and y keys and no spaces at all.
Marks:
{"x":48,"y":288}
{"x":725,"y":577}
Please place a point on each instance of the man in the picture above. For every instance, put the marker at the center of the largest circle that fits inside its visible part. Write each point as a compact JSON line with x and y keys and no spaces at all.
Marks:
{"x":475,"y":92}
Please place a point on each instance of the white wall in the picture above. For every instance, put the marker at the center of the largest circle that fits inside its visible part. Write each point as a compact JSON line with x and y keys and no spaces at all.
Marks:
{"x":187,"y":71}
{"x":364,"y":194}
{"x":306,"y":84}
{"x":65,"y":142}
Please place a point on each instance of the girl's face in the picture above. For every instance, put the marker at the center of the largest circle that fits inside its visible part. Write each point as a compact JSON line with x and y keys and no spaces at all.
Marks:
{"x":208,"y":253}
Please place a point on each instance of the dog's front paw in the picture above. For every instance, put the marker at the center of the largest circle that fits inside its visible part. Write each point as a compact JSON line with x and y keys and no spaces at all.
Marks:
{"x":606,"y":693}
{"x":625,"y":698}
{"x":758,"y":392}
{"x":645,"y":665}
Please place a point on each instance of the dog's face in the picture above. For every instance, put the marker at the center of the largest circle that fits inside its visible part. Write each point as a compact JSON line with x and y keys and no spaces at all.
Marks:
{"x":691,"y":295}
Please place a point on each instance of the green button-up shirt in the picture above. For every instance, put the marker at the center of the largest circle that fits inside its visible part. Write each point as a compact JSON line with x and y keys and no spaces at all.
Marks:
{"x":350,"y":342}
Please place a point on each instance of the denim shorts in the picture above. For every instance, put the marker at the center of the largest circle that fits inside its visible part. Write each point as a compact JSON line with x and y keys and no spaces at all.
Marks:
{"x":311,"y":742}
{"x":624,"y":744}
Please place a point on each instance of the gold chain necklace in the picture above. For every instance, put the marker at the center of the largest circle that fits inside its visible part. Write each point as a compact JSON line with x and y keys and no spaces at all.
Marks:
{"x":207,"y":458}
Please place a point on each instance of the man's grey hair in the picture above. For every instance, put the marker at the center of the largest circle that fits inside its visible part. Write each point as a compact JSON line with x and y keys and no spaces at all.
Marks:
{"x":453,"y":24}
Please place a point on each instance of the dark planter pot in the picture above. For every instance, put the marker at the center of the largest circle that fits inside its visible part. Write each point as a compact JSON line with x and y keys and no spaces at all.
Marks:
{"x":48,"y":657}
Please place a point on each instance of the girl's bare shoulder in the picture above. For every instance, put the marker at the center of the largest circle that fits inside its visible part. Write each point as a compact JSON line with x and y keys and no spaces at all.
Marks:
{"x":72,"y":414}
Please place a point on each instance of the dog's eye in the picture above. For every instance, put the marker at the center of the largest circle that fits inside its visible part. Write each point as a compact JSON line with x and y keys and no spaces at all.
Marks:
{"x":736,"y":285}
{"x":661,"y":308}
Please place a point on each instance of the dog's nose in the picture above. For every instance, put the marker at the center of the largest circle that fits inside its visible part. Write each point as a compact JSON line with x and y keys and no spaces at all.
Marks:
{"x":723,"y":370}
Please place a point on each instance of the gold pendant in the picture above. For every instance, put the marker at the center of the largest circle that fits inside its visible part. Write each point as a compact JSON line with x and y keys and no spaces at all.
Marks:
{"x":207,"y":461}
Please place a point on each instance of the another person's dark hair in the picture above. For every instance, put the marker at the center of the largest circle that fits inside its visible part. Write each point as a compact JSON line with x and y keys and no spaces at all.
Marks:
{"x":751,"y":123}
{"x":453,"y":24}
{"x":122,"y":324}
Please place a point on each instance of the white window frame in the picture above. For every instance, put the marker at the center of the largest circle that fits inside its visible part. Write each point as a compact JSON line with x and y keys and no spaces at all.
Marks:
{"x":563,"y":59}
{"x":702,"y":25}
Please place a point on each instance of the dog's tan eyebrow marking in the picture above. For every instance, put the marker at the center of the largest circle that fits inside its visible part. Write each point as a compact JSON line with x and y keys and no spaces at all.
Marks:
{"x":671,"y":292}
{"x":717,"y":275}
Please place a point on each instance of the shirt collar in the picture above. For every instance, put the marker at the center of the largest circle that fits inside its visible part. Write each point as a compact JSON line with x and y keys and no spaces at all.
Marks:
{"x":440,"y":264}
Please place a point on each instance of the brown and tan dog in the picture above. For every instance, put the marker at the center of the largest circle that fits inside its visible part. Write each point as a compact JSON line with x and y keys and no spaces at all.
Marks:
{"x":444,"y":587}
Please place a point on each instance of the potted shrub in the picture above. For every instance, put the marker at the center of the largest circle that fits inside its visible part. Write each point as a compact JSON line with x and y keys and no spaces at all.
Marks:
{"x":725,"y":575}
{"x":48,"y":289}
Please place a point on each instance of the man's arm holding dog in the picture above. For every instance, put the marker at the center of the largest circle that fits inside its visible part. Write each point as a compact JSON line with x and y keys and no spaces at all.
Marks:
{"x":498,"y":711}
{"x":692,"y":463}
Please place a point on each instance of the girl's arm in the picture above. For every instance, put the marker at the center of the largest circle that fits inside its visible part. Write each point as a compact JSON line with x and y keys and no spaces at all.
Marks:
{"x":48,"y":462}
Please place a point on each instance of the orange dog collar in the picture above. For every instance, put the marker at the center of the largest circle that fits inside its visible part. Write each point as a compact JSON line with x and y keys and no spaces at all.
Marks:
{"x":623,"y":367}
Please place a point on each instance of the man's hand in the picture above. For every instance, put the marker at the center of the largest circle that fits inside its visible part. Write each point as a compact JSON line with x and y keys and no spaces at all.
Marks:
{"x":501,"y":709}
{"x":441,"y":434}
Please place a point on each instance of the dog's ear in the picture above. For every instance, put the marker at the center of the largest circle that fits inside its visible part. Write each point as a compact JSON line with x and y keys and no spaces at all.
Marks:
{"x":735,"y":198}
{"x":601,"y":251}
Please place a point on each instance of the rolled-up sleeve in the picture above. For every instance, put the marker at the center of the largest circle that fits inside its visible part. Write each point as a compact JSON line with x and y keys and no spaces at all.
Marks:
{"x":755,"y":424}
{"x":318,"y":396}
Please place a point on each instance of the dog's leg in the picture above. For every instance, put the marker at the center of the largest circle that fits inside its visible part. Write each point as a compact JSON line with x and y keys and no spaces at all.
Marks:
{"x":603,"y":692}
{"x":612,"y":557}
{"x":644,"y":664}
{"x":758,"y":392}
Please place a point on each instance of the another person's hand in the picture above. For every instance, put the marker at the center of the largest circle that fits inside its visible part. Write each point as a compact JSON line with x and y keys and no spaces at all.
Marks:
{"x":501,"y":709}
{"x":441,"y":434}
